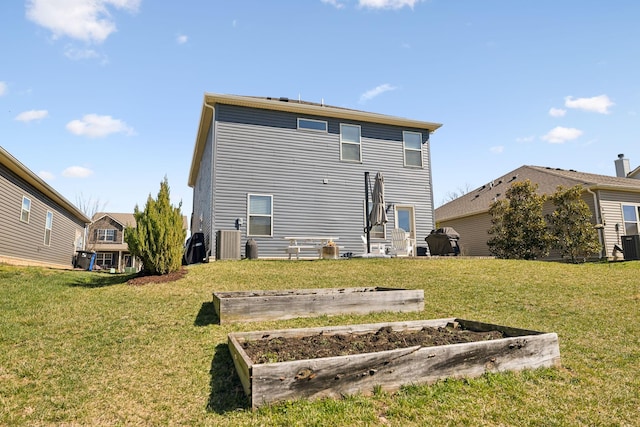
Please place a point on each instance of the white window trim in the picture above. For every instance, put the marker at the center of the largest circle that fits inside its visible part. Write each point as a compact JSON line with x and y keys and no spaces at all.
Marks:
{"x":102,"y":256}
{"x":359,"y":143}
{"x":249,"y":215}
{"x":105,"y":230}
{"x":23,"y":210}
{"x":48,"y":227}
{"x":412,"y":233}
{"x":325,"y":130}
{"x":405,"y":148}
{"x":624,"y":222}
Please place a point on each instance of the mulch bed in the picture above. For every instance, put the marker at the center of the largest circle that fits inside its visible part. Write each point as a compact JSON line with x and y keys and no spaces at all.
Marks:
{"x":143,"y":279}
{"x":281,"y":349}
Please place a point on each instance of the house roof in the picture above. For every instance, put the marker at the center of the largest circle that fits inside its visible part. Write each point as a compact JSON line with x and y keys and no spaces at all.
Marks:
{"x":38,"y":183}
{"x":292,"y":106}
{"x":548,"y":179}
{"x":128,"y":219}
{"x":124,"y":219}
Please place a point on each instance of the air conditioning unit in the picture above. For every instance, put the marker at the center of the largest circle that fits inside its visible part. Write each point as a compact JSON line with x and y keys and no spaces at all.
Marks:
{"x":631,"y":247}
{"x":228,"y":244}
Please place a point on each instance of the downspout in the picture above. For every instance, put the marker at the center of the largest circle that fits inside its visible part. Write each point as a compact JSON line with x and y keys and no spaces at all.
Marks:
{"x":599,"y":223}
{"x":211,"y":230}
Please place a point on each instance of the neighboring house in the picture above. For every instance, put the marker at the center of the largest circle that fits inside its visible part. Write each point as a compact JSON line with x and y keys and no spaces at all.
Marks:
{"x":37,"y":225}
{"x":275,"y":167}
{"x":106,"y":239}
{"x":614,"y":203}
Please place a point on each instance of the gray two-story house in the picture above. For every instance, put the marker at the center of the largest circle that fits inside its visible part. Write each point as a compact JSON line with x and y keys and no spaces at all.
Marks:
{"x":275,"y":167}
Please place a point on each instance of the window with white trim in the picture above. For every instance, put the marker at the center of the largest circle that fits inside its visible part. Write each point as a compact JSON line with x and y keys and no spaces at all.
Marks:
{"x":106,"y":235}
{"x":412,"y":148}
{"x":260,"y":215}
{"x":314,"y":125}
{"x":104,"y":259}
{"x":48,"y":226}
{"x":25,"y":213}
{"x":631,"y":217}
{"x":350,"y":147}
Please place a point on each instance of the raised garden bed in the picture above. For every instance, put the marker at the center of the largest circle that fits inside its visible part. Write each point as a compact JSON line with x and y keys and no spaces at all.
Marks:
{"x":491,"y":348}
{"x":252,"y":306}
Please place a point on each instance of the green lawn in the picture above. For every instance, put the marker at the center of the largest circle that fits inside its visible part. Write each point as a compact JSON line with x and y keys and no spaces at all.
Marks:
{"x":81,"y":348}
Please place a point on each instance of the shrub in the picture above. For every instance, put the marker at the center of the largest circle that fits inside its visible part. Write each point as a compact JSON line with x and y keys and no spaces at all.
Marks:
{"x":572,"y":231}
{"x":518,"y":227}
{"x":158,"y":238}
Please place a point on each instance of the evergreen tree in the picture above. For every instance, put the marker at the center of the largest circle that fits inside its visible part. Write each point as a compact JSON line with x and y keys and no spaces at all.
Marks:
{"x":572,"y":231}
{"x":518,"y":227}
{"x":158,"y":238}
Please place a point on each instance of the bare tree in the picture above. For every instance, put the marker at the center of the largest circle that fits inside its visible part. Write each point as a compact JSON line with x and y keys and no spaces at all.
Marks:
{"x":458,"y":192}
{"x":89,"y":206}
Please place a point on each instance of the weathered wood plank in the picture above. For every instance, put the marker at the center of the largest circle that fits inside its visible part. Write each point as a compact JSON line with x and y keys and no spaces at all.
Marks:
{"x":288,"y":304}
{"x":342,"y":375}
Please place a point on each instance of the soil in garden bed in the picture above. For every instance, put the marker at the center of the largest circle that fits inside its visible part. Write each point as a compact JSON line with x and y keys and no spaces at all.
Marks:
{"x":281,"y":349}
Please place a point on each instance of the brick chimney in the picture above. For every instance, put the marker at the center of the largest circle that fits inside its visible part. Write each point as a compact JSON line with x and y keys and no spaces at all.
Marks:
{"x":622,"y":166}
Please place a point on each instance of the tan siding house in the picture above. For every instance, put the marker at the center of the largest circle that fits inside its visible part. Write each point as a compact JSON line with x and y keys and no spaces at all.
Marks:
{"x":106,"y":239}
{"x":614,"y":202}
{"x":38,"y":226}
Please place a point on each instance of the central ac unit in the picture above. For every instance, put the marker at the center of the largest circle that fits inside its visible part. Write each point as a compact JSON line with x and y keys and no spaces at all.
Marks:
{"x":228,"y":244}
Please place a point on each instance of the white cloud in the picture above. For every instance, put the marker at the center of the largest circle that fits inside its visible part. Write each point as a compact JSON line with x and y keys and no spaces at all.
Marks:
{"x":28,"y":116}
{"x":3,"y":88}
{"x":525,"y":138}
{"x":372,"y":93}
{"x":560,"y":135}
{"x":76,"y":172}
{"x":182,"y":39}
{"x":557,"y":112}
{"x":387,"y":4}
{"x":47,"y":176}
{"x":334,"y":3}
{"x":597,"y":104}
{"x":497,"y":149}
{"x":95,"y":126}
{"x":86,"y":20}
{"x":78,"y":54}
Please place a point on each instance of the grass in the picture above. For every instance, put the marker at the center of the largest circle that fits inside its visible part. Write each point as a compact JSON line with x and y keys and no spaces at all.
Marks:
{"x":81,"y":348}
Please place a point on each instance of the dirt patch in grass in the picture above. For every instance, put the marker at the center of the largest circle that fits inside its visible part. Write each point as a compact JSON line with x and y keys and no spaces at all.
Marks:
{"x":283,"y":349}
{"x":143,"y":279}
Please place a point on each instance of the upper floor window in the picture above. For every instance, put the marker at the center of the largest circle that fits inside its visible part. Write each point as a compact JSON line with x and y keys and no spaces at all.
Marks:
{"x":631,"y":216}
{"x":47,"y":228}
{"x":26,"y":209}
{"x":106,"y":235}
{"x":350,"y":147}
{"x":260,"y":209}
{"x":309,"y":124}
{"x":412,"y":148}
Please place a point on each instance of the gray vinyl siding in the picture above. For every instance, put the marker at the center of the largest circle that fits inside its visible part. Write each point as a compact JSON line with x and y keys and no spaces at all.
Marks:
{"x":263,"y":152}
{"x":20,"y":241}
{"x":202,"y":214}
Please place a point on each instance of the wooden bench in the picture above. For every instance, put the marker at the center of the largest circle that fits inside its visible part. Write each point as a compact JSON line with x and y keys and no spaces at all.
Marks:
{"x":308,"y":243}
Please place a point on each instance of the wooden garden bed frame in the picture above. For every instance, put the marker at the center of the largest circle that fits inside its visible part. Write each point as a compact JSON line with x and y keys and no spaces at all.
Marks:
{"x":250,"y":306}
{"x":343,"y":375}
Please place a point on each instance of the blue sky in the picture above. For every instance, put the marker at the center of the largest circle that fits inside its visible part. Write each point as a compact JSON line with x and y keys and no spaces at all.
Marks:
{"x":102,"y":98}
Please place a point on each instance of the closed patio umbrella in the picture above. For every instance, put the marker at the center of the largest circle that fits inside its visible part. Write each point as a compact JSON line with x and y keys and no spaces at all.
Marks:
{"x":378,"y":214}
